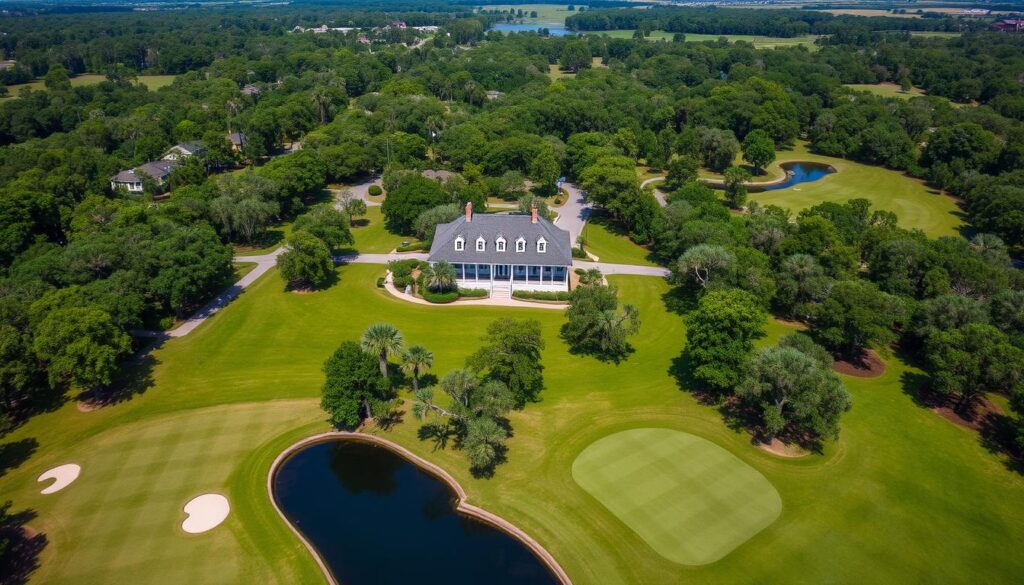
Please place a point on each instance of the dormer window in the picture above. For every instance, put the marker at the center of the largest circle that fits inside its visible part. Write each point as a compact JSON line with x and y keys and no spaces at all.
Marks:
{"x":499,"y":244}
{"x":481,"y":244}
{"x":542,"y":246}
{"x":521,"y":245}
{"x":460,"y":244}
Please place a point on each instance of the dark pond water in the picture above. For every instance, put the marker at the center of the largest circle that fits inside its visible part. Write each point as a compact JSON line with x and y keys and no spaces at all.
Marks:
{"x":553,"y":29}
{"x":376,"y":519}
{"x":801,"y":172}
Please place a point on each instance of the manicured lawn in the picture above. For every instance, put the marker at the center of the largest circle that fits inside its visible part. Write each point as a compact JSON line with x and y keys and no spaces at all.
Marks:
{"x":241,"y":269}
{"x":886,"y":90}
{"x":153,"y":82}
{"x":606,"y":240}
{"x":688,"y":498}
{"x":903,"y":496}
{"x":917,"y":205}
{"x":760,"y":42}
{"x":546,"y":13}
{"x":372,"y":235}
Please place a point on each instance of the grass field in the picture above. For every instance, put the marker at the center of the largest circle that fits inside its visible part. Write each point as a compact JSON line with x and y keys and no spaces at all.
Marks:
{"x":761,"y":42}
{"x":153,"y":82}
{"x":902,"y":496}
{"x":886,"y":90}
{"x":688,"y":498}
{"x":916,"y":204}
{"x":546,"y":13}
{"x":606,"y":240}
{"x":372,"y":236}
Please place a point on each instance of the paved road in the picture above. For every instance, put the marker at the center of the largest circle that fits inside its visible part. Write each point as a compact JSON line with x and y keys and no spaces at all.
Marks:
{"x":658,"y":193}
{"x":361,"y":190}
{"x":573,"y":214}
{"x":607,"y":268}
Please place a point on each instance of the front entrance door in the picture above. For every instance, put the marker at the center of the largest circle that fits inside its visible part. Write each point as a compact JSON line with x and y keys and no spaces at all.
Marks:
{"x":501,"y":272}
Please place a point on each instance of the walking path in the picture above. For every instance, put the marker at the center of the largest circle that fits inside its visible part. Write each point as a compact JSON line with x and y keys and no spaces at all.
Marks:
{"x":361,"y":191}
{"x":658,"y":193}
{"x":607,"y":268}
{"x":573,"y":214}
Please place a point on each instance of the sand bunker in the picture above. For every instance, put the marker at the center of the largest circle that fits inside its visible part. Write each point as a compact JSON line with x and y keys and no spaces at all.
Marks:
{"x":63,"y":474}
{"x":205,"y":512}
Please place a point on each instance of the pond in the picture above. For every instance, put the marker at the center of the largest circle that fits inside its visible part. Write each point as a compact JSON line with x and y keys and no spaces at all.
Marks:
{"x":377,"y":518}
{"x":799,"y":172}
{"x":554,"y":30}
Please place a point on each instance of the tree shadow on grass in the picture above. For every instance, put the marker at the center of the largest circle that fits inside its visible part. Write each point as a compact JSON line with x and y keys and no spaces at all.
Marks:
{"x":21,"y":557}
{"x":13,"y":454}
{"x":679,"y":300}
{"x":998,"y":435}
{"x":439,"y":433}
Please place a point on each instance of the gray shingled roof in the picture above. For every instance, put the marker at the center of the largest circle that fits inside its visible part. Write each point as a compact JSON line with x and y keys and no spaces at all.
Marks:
{"x":158,"y":170}
{"x":511,"y":227}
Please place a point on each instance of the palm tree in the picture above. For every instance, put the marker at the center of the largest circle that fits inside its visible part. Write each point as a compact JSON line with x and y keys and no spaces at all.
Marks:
{"x":442,"y":276}
{"x":416,"y":360}
{"x":382,"y":339}
{"x":322,"y":100}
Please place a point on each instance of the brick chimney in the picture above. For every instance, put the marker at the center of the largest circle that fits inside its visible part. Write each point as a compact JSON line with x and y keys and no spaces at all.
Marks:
{"x":469,"y":211}
{"x":533,"y":213}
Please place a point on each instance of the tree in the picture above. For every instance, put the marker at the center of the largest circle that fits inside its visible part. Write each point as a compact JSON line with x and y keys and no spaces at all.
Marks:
{"x":681,"y":170}
{"x":735,"y":186}
{"x":426,"y":223}
{"x":718,"y":148}
{"x":800,"y":281}
{"x":972,"y":360}
{"x":81,"y":346}
{"x":412,"y":196}
{"x":416,"y":360}
{"x":352,"y":206}
{"x":306,"y":263}
{"x":758,"y":149}
{"x":545,"y":170}
{"x":440,"y":277}
{"x":382,"y":340}
{"x":326,"y":223}
{"x":593,"y":323}
{"x":353,"y":385}
{"x":857,"y":315}
{"x":793,"y":389}
{"x":510,"y":353}
{"x":704,"y":263}
{"x":720,"y":335}
{"x":575,"y":56}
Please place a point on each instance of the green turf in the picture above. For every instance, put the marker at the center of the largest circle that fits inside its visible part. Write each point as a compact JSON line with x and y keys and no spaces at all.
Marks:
{"x":546,"y":13}
{"x":903,"y":496}
{"x":886,"y":90}
{"x":917,"y":205}
{"x":606,"y":240}
{"x":153,"y":82}
{"x":372,"y":236}
{"x":691,"y":500}
{"x":760,"y":42}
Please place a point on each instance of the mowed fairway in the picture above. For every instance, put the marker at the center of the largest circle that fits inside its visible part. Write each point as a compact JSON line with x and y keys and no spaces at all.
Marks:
{"x":917,"y":205}
{"x":688,"y":498}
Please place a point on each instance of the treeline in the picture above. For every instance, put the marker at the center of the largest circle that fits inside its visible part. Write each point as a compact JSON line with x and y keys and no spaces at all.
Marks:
{"x":772,"y":23}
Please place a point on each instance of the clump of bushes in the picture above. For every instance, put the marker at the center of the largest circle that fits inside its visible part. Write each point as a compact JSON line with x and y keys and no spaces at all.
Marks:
{"x":578,"y":253}
{"x":473,"y":293}
{"x":440,"y":298}
{"x":375,"y":190}
{"x":401,"y":271}
{"x":380,"y":282}
{"x":541,"y":295}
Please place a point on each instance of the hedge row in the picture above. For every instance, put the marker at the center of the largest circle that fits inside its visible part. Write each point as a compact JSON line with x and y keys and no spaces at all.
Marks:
{"x":542,"y":295}
{"x":473,"y":293}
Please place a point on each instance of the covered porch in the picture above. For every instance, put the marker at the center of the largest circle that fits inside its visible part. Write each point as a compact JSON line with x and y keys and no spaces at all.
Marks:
{"x":516,"y":276}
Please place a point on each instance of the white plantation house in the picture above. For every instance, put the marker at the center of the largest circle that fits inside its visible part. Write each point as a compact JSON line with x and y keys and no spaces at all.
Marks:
{"x":505,"y":252}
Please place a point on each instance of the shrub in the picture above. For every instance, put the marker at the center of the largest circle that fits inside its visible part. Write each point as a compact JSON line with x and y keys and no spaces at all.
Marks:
{"x":473,"y":293}
{"x":375,"y":190}
{"x":403,"y":267}
{"x":542,"y":295}
{"x":402,"y":281}
{"x":414,"y":247}
{"x":380,"y":282}
{"x":439,"y":298}
{"x":578,"y":253}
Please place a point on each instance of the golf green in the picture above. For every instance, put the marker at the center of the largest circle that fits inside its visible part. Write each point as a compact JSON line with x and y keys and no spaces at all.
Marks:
{"x":692,"y":501}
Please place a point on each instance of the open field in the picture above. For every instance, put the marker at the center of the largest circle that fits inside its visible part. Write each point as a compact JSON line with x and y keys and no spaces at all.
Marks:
{"x":688,"y":498}
{"x":886,"y":89}
{"x":153,"y":82}
{"x":902,"y":496}
{"x":546,"y":13}
{"x":372,"y":236}
{"x":761,"y":42}
{"x":916,"y":204}
{"x":606,"y":240}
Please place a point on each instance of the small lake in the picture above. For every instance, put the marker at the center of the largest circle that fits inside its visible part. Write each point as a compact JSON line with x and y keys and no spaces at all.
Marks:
{"x":799,"y":172}
{"x":553,"y":29}
{"x":376,"y":518}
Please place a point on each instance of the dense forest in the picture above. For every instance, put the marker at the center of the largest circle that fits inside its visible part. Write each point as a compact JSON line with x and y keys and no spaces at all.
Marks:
{"x":84,"y":266}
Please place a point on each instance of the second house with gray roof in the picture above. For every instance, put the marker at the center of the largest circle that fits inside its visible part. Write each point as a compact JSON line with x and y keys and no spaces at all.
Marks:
{"x":505,"y":252}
